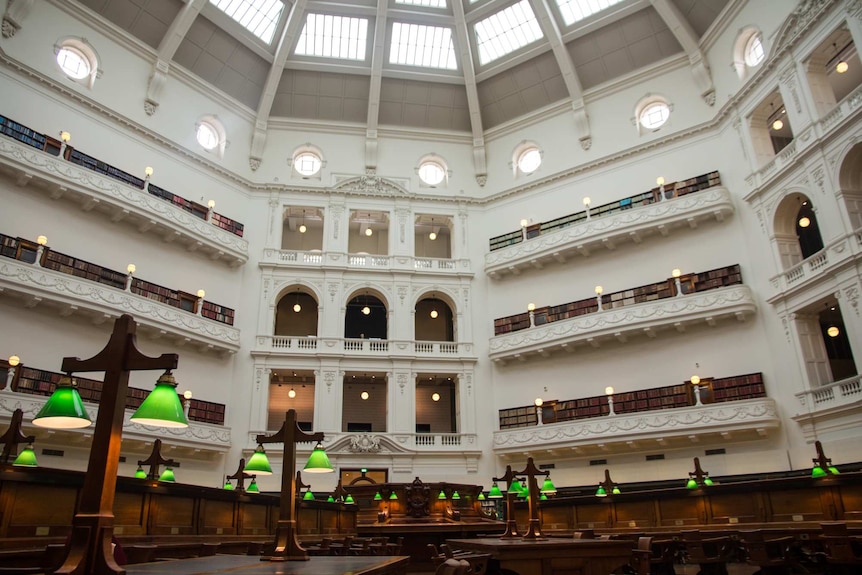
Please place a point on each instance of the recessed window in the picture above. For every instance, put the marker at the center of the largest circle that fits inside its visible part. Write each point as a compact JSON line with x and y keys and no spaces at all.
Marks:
{"x":307,"y":163}
{"x":431,"y":172}
{"x":257,"y":16}
{"x":418,"y":45}
{"x":754,"y":52}
{"x":333,"y":37}
{"x":574,"y":10}
{"x":506,"y":31}
{"x":207,"y":136}
{"x":73,"y":62}
{"x":529,"y":160}
{"x":429,"y":3}
{"x":654,"y":115}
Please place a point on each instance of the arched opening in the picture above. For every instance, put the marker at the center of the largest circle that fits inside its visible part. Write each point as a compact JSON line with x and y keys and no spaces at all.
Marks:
{"x":296,"y":314}
{"x":797,"y":234}
{"x":436,"y":403}
{"x":364,"y":405}
{"x":838,"y":350}
{"x":850,"y":185}
{"x":291,"y":389}
{"x":365,"y":317}
{"x":433,"y":320}
{"x":807,"y":230}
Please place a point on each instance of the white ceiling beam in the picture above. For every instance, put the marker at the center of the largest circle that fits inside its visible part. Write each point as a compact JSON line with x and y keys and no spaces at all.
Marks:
{"x":378,"y":50}
{"x":467,"y":64}
{"x":292,"y":28}
{"x":685,"y":35}
{"x":167,"y":48}
{"x":573,"y":84}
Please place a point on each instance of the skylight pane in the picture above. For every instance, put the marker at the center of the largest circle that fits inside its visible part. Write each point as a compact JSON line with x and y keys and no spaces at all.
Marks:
{"x":429,"y":3}
{"x":574,"y":10}
{"x":418,"y":45}
{"x":257,"y":16}
{"x":333,"y":37}
{"x":506,"y":31}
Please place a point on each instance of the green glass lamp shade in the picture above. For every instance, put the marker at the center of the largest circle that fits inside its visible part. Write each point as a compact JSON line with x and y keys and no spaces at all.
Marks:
{"x":494,"y":492}
{"x":600,"y":492}
{"x":252,"y":487}
{"x":691,"y":483}
{"x":833,"y":470}
{"x":707,"y":481}
{"x":64,"y":409}
{"x":393,"y":496}
{"x":548,"y":486}
{"x":27,"y":458}
{"x":309,"y":496}
{"x":258,"y":463}
{"x":543,"y":497}
{"x":228,"y":486}
{"x":167,"y":475}
{"x":349,"y":499}
{"x":378,"y":497}
{"x":318,"y":461}
{"x":441,"y":495}
{"x":816,"y":472}
{"x":456,"y":495}
{"x":140,"y":473}
{"x":162,"y":408}
{"x":524,"y":493}
{"x":616,"y":490}
{"x":516,"y":486}
{"x":481,"y":496}
{"x":330,"y":499}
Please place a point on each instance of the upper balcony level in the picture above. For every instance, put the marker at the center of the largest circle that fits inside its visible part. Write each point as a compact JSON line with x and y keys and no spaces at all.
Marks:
{"x":835,"y":406}
{"x":711,"y":411}
{"x":704,"y":297}
{"x":321,"y":347}
{"x":41,"y":276}
{"x":317,"y":259}
{"x":53,"y":166}
{"x":683,"y":204}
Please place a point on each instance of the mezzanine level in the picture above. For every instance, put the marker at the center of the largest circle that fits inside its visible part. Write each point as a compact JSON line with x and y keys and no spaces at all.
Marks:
{"x":316,"y":259}
{"x":309,"y":346}
{"x":834,"y":406}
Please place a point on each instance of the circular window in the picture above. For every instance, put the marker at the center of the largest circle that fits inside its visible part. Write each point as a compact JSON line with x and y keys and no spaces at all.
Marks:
{"x":307,"y":163}
{"x":754,"y":53}
{"x":654,"y":115}
{"x":530,"y":160}
{"x":207,"y":136}
{"x":431,"y":173}
{"x":73,"y":62}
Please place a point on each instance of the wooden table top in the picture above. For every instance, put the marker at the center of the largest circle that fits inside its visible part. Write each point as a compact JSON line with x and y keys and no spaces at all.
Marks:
{"x":245,"y":565}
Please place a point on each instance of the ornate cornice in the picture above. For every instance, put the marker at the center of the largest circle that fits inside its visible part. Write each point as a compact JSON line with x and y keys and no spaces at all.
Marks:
{"x":617,"y":323}
{"x":65,"y":176}
{"x":37,"y":284}
{"x":752,"y":415}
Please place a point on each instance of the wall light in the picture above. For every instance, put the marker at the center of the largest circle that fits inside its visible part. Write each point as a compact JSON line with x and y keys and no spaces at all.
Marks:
{"x":531,"y":307}
{"x":676,"y":272}
{"x":599,"y":290}
{"x":131,"y":268}
{"x":524,"y":223}
{"x":201,"y":294}
{"x":804,"y":222}
{"x":539,"y":401}
{"x":435,"y":396}
{"x":14,"y":360}
{"x":65,"y":136}
{"x":659,"y":181}
{"x":148,"y":171}
{"x":211,"y":204}
{"x":42,"y":240}
{"x":587,"y":200}
{"x":832,"y":331}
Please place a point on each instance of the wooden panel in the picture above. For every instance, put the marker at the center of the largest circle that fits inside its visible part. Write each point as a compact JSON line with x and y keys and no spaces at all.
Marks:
{"x":796,"y":505}
{"x":29,"y":516}
{"x":635,"y":514}
{"x":307,"y":520}
{"x":172,"y":515}
{"x":328,"y":521}
{"x":253,"y":519}
{"x":593,"y":516}
{"x":851,"y":498}
{"x":130,"y":513}
{"x":556,"y":518}
{"x":740,"y":507}
{"x":218,"y":517}
{"x":681,"y":512}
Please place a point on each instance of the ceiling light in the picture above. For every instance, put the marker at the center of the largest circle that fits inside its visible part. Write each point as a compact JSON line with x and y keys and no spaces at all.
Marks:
{"x":432,"y":236}
{"x":434,"y":314}
{"x":292,"y":393}
{"x":842,"y":67}
{"x":777,"y":124}
{"x":302,"y":229}
{"x":832,"y":331}
{"x":297,"y":308}
{"x":368,"y":231}
{"x":435,"y":396}
{"x":364,"y":395}
{"x":366,"y":310}
{"x":804,"y":222}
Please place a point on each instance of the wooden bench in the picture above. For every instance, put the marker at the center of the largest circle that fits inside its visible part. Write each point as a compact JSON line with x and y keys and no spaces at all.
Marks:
{"x":843,"y":551}
{"x":771,"y":555}
{"x":710,"y":553}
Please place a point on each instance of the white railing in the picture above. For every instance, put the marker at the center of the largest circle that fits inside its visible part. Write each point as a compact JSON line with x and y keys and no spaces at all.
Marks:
{"x":377,"y":347}
{"x":821,"y":263}
{"x":832,"y":395}
{"x":409,"y":264}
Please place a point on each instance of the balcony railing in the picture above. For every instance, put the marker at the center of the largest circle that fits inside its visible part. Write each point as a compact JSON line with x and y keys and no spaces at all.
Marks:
{"x":839,"y":403}
{"x":339,"y":260}
{"x":277,"y":344}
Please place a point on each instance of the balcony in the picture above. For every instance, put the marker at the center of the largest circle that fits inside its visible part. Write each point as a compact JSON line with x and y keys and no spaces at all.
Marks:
{"x":619,"y":324}
{"x":198,"y":440}
{"x":69,"y":295}
{"x":630,"y":225}
{"x":835,"y":407}
{"x":336,"y":260}
{"x":307,"y":346}
{"x":120,"y":201}
{"x":821,"y":266}
{"x":715,"y":423}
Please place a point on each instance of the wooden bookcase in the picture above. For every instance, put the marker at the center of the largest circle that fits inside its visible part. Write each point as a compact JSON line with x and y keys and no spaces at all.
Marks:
{"x":518,"y":417}
{"x":18,"y":249}
{"x":73,"y":266}
{"x":217,"y":312}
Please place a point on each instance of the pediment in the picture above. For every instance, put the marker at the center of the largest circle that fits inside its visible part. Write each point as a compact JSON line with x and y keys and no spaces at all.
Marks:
{"x":370,"y":185}
{"x":367,"y":443}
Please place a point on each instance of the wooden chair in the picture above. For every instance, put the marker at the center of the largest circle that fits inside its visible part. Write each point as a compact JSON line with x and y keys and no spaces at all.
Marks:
{"x":641,"y":560}
{"x":321,"y":549}
{"x":771,"y":555}
{"x":453,"y":567}
{"x":584,"y":534}
{"x":710,"y":554}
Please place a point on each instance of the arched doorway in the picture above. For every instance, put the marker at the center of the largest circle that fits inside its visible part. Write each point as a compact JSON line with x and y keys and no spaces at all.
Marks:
{"x":296,"y":314}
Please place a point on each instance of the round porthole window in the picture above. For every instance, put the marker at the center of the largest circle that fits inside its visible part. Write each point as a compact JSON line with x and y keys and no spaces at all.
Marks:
{"x":529,"y":160}
{"x":207,"y":136}
{"x":431,"y":173}
{"x":654,"y":115}
{"x":307,"y":163}
{"x":73,"y":62}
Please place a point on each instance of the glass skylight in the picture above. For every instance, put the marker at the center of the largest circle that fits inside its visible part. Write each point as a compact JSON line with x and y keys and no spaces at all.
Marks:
{"x":418,"y":45}
{"x":429,"y":3}
{"x":506,"y":31}
{"x":333,"y":37}
{"x":257,"y":16}
{"x":574,"y":10}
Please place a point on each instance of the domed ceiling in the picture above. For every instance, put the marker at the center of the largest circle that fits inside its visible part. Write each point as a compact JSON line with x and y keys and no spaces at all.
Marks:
{"x":455,"y":66}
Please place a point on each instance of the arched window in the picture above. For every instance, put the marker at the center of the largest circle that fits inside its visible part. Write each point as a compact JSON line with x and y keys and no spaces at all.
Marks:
{"x":210,"y":135}
{"x":77,"y":60}
{"x":526,"y":158}
{"x":432,"y":171}
{"x":748,"y":51}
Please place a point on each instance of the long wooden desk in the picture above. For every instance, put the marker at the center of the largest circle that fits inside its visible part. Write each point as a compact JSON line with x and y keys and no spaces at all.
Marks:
{"x":244,"y":565}
{"x":552,"y":556}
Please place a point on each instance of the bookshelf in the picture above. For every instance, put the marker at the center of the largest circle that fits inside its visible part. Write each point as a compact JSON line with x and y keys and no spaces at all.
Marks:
{"x":18,"y":249}
{"x":672,"y":189}
{"x":91,"y":163}
{"x":228,"y":224}
{"x":690,"y":283}
{"x":41,"y":382}
{"x":734,"y":388}
{"x":69,"y":265}
{"x":155,"y":292}
{"x":217,"y":312}
{"x":22,"y":133}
